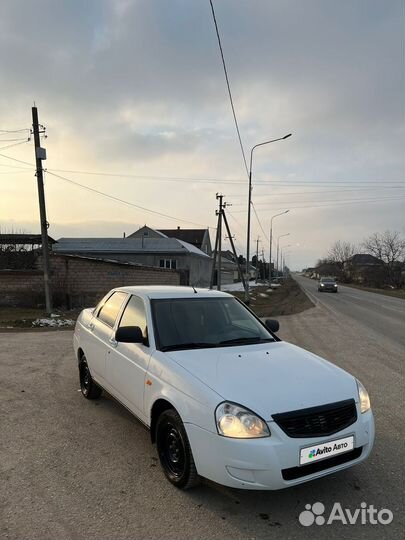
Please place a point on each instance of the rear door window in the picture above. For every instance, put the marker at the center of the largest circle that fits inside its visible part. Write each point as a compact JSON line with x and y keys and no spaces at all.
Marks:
{"x":109,"y":312}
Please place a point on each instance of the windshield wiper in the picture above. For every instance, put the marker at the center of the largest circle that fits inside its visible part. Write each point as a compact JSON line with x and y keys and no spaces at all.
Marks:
{"x":247,"y":340}
{"x":191,"y":345}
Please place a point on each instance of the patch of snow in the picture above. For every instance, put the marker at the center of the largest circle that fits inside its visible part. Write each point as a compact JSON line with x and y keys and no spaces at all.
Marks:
{"x":53,"y":322}
{"x":238,"y":287}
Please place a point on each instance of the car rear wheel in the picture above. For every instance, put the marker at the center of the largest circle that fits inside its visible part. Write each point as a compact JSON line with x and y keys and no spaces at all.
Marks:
{"x":88,"y":387}
{"x":174,"y":450}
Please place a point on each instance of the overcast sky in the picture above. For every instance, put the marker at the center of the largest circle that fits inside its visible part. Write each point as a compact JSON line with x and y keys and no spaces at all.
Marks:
{"x":137,"y":88}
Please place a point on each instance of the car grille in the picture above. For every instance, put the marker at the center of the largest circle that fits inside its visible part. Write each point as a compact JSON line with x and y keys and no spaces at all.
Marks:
{"x":305,"y":470}
{"x":318,"y":421}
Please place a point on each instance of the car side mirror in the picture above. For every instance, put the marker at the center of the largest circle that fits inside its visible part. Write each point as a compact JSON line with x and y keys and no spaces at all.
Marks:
{"x":272,"y":325}
{"x":129,"y":334}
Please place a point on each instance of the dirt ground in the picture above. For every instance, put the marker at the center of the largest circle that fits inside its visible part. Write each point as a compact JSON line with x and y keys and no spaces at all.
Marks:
{"x":287,"y":299}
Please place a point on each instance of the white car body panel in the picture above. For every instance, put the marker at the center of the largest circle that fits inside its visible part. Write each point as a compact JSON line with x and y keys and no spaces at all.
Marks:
{"x":267,"y":378}
{"x":270,"y":376}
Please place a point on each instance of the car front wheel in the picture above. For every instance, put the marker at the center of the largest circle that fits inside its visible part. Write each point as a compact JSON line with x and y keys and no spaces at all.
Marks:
{"x":174,"y":450}
{"x":88,"y":387}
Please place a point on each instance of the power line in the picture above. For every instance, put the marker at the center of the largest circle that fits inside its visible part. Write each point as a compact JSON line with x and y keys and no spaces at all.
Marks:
{"x":202,"y":180}
{"x":18,"y":160}
{"x":258,"y":220}
{"x":14,"y":144}
{"x":14,"y":130}
{"x":229,"y":88}
{"x":359,"y":201}
{"x":329,"y":201}
{"x":327,"y":191}
{"x":15,"y":167}
{"x":112,"y":197}
{"x":12,"y":140}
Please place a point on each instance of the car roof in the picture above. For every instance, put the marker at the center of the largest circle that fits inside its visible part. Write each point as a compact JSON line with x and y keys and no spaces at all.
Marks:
{"x":168,"y":291}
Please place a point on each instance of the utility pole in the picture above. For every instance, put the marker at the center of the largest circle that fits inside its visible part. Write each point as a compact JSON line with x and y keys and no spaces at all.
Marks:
{"x":220,"y":198}
{"x":40,"y":154}
{"x":264,"y":266}
{"x":218,"y":245}
{"x":257,"y":257}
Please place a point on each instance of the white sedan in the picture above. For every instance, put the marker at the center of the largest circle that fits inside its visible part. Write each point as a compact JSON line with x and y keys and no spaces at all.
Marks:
{"x":223,"y":396}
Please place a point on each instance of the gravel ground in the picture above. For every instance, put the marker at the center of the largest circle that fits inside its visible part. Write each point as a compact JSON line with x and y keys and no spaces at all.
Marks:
{"x":74,"y":469}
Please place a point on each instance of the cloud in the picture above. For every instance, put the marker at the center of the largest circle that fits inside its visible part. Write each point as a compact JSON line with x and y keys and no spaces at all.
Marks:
{"x":138,"y":87}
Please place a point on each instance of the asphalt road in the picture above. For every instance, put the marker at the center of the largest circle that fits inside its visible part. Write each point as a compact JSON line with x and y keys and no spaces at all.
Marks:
{"x":75,"y":469}
{"x":380,"y":313}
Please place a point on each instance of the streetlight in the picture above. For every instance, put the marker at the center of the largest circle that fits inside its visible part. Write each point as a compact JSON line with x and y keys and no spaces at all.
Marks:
{"x":247,"y":299}
{"x":282,"y":257}
{"x":271,"y":239}
{"x":278,"y":246}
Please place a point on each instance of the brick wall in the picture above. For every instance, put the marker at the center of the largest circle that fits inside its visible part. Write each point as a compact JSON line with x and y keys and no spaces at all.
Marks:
{"x":76,"y":281}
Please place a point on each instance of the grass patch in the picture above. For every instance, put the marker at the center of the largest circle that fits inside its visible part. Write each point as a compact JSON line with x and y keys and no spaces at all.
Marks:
{"x":287,"y":299}
{"x":396,"y":293}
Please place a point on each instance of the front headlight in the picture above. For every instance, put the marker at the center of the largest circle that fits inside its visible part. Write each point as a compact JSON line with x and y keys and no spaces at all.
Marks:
{"x":363,"y":397}
{"x":322,"y":285}
{"x":235,"y":421}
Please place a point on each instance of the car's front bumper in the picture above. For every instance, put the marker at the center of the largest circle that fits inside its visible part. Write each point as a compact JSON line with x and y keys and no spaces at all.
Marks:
{"x":258,"y":463}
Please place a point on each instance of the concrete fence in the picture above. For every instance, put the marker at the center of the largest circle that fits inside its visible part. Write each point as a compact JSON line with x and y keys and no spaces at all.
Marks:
{"x":77,"y":281}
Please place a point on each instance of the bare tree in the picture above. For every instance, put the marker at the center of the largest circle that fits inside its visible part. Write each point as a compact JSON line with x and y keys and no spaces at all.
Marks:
{"x":389,"y":247}
{"x":341,"y":252}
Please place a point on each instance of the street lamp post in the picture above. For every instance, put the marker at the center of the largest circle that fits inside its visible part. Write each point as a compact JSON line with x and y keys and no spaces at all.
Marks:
{"x":271,"y":239}
{"x":286,"y":257}
{"x":247,"y":299}
{"x":278,"y":246}
{"x":282,"y":257}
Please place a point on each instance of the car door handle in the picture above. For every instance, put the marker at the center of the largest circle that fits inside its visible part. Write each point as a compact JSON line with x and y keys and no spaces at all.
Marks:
{"x":113,"y":341}
{"x":91,"y":326}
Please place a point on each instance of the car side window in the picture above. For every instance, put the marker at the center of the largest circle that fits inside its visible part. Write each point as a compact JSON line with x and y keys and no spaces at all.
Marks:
{"x":109,"y":312}
{"x":135,"y":315}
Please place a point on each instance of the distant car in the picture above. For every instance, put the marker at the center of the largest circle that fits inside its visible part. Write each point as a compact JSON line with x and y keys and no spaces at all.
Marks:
{"x":327,"y":284}
{"x":223,"y":396}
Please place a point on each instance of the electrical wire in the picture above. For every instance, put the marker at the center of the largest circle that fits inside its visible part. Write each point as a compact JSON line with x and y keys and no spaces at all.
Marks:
{"x":260,"y":225}
{"x":359,"y":201}
{"x":280,"y":183}
{"x":229,"y":87}
{"x":14,"y":130}
{"x":15,"y":167}
{"x":128,"y":203}
{"x":18,"y":160}
{"x":14,"y":144}
{"x":13,"y":140}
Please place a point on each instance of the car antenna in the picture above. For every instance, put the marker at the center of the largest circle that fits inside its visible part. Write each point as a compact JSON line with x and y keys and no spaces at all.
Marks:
{"x":194,"y":289}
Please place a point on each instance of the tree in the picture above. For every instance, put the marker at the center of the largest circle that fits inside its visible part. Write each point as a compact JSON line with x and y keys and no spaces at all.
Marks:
{"x":341,"y":252}
{"x":389,"y":247}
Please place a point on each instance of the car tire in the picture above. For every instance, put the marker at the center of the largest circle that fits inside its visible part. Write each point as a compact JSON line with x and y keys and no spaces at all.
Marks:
{"x":174,"y":451}
{"x":88,"y":387}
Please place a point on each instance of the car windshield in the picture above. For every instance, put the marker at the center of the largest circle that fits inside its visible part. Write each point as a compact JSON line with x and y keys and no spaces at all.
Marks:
{"x":328,"y":280}
{"x":197,"y":323}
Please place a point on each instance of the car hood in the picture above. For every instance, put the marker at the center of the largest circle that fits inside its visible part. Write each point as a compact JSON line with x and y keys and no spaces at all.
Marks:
{"x":268,"y":378}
